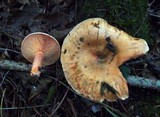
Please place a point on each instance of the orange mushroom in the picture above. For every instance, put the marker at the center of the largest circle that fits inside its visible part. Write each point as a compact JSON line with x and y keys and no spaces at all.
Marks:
{"x":40,"y":49}
{"x":91,"y":55}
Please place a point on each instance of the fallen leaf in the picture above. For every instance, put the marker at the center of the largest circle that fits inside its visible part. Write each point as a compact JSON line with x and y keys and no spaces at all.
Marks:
{"x":24,"y":17}
{"x":60,"y":34}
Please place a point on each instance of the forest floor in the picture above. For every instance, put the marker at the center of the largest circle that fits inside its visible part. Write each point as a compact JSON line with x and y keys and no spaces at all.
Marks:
{"x":50,"y":95}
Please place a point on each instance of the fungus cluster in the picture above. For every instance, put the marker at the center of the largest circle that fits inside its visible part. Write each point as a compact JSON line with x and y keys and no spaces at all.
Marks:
{"x":91,"y":55}
{"x":40,"y":49}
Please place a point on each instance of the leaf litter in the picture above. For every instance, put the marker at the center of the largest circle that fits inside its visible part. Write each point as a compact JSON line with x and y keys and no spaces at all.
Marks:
{"x":26,"y":96}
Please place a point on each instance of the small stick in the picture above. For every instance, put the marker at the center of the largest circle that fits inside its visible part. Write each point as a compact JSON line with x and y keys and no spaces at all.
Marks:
{"x":60,"y":103}
{"x":12,"y":65}
{"x":143,"y":82}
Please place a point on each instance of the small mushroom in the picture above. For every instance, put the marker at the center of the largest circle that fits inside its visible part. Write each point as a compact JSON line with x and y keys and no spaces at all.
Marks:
{"x":40,"y":49}
{"x":91,"y":55}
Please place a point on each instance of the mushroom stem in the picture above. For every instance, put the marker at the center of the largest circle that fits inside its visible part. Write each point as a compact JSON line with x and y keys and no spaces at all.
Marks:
{"x":37,"y":63}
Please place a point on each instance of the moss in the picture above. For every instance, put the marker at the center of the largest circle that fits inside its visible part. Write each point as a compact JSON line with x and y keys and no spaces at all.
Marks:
{"x":128,"y":15}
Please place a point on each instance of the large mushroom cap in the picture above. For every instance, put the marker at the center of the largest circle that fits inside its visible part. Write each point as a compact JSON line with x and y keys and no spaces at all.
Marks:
{"x":41,"y":42}
{"x":90,"y":57}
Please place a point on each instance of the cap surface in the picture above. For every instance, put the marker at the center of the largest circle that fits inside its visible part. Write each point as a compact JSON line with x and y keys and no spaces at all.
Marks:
{"x":91,"y":67}
{"x":41,"y":42}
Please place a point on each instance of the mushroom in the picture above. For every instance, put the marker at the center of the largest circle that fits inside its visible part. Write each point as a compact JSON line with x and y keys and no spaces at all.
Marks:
{"x":40,"y":49}
{"x":91,"y":55}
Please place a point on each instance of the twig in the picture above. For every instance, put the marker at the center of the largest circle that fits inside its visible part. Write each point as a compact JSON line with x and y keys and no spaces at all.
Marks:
{"x":155,"y":15}
{"x":2,"y":101}
{"x":12,"y":65}
{"x":143,"y":82}
{"x":140,"y":26}
{"x":114,"y":110}
{"x":37,"y":112}
{"x":72,"y":107}
{"x":150,"y":4}
{"x":4,"y":77}
{"x":28,"y":107}
{"x":4,"y":49}
{"x":151,"y":11}
{"x":60,"y":83}
{"x":59,"y":104}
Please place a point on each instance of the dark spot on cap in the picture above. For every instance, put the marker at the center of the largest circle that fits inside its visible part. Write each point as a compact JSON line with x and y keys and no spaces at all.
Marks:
{"x":78,"y":48}
{"x":136,"y":39}
{"x":95,"y":24}
{"x":65,"y":51}
{"x":81,"y":39}
{"x":108,"y":39}
{"x":97,"y":82}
